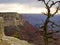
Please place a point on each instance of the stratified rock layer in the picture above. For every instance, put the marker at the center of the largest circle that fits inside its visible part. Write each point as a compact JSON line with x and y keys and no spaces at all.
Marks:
{"x":6,"y":40}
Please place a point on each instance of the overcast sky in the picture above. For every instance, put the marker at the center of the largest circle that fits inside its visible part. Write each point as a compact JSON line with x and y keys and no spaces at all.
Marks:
{"x":22,"y":6}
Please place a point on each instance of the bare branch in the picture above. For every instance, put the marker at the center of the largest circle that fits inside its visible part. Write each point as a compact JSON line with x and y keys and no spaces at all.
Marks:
{"x":53,"y":23}
{"x":55,"y":11}
{"x":53,"y":3}
{"x":42,"y":0}
{"x":48,"y":1}
{"x":44,"y":13}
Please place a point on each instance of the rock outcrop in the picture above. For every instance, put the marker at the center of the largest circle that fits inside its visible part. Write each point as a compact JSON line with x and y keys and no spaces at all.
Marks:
{"x":26,"y":32}
{"x":6,"y":40}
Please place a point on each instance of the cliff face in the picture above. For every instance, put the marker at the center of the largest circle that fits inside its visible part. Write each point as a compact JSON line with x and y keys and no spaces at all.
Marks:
{"x":12,"y":18}
{"x":23,"y":30}
{"x":15,"y":25}
{"x":26,"y":32}
{"x":31,"y":34}
{"x":7,"y":40}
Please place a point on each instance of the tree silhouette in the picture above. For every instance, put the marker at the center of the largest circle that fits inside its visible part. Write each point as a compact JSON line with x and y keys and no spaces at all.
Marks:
{"x":48,"y":6}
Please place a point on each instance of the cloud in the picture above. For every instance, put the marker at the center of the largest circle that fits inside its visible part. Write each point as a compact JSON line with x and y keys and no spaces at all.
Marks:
{"x":21,"y":8}
{"x":34,"y":3}
{"x":17,"y":1}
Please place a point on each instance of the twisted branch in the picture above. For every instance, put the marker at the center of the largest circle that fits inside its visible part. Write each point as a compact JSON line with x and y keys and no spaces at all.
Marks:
{"x":55,"y":11}
{"x":53,"y":23}
{"x":53,"y":3}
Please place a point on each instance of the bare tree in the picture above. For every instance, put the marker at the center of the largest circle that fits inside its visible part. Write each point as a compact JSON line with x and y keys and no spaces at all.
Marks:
{"x":47,"y":20}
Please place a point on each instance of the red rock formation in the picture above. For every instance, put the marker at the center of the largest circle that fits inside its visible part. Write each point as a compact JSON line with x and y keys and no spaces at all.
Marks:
{"x":26,"y":32}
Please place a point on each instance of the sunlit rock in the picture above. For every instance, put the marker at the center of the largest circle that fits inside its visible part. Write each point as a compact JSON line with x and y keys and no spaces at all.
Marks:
{"x":6,"y":40}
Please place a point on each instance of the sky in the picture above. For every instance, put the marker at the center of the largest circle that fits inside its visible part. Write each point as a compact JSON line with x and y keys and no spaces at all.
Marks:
{"x":23,"y":6}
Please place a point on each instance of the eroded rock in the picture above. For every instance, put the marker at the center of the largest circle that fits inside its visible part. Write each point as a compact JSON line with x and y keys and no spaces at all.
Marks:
{"x":6,"y":40}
